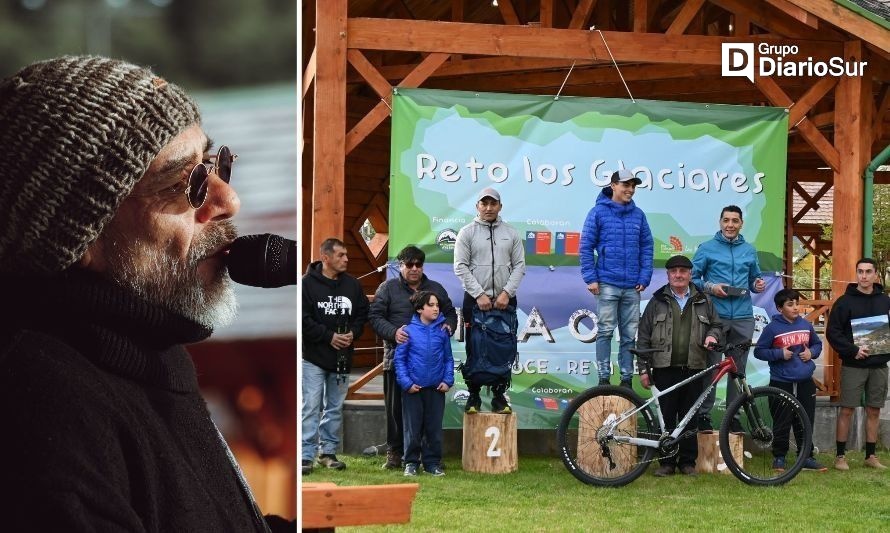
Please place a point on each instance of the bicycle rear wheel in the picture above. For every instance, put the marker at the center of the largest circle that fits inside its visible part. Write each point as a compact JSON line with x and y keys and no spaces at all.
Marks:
{"x":773,"y":424}
{"x":589,"y":453}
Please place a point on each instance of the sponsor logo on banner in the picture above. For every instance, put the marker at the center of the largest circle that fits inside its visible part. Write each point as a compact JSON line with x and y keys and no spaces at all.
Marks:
{"x":446,"y":239}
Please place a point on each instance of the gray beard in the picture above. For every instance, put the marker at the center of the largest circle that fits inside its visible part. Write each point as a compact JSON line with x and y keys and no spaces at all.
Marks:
{"x":166,"y":281}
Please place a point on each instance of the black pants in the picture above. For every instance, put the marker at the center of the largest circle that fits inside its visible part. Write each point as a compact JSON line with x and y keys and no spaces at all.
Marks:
{"x":422,"y":413}
{"x":392,"y":404}
{"x":674,"y":407}
{"x":467,"y":312}
{"x":805,"y":392}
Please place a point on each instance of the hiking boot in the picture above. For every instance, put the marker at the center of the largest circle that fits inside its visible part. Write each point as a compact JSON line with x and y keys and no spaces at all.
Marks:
{"x":627,"y":384}
{"x":393,"y":460}
{"x":688,"y":470}
{"x":410,"y":470}
{"x":840,"y":463}
{"x":329,"y":460}
{"x":779,"y":463}
{"x":474,"y":404}
{"x":436,"y":470}
{"x":500,"y":405}
{"x":872,"y":462}
{"x":306,"y":467}
{"x":664,"y":471}
{"x":604,"y":380}
{"x":704,"y":423}
{"x":813,"y":465}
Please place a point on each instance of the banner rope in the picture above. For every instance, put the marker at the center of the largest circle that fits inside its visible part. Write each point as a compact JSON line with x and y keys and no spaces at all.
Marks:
{"x":603,"y":37}
{"x":569,"y":73}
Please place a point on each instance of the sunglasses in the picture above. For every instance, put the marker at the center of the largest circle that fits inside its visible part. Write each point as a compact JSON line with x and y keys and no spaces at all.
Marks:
{"x":413,"y":264}
{"x":196,"y":190}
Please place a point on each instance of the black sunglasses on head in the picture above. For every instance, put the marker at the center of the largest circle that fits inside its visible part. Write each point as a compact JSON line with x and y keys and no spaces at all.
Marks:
{"x":196,"y":189}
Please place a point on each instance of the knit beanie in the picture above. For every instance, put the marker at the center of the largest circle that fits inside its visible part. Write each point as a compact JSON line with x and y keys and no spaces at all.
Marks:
{"x":76,"y":134}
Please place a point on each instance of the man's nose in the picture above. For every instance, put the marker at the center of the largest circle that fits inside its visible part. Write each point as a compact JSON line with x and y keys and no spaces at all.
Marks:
{"x":222,"y":201}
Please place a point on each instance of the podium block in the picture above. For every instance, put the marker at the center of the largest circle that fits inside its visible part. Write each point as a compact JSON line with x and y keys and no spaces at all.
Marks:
{"x":489,"y":443}
{"x":590,"y":418}
{"x":710,"y":459}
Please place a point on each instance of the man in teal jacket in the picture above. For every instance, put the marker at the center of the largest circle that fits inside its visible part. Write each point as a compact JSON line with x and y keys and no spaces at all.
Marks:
{"x":726,"y":267}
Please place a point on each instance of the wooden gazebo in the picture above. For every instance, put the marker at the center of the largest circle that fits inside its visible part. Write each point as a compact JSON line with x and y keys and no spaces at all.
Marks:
{"x":356,"y":51}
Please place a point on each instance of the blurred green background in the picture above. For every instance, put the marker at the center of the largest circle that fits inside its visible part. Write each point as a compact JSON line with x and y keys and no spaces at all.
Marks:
{"x":199,"y":44}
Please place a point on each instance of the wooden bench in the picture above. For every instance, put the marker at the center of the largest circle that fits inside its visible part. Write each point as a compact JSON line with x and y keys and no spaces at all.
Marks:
{"x":326,"y":505}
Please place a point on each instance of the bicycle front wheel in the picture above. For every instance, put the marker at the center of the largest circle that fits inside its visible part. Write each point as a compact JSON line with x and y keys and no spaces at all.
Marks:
{"x":590,"y":452}
{"x":773,"y":424}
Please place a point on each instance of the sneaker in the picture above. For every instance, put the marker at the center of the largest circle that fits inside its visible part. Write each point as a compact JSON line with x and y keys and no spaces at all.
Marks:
{"x":499,"y":405}
{"x":604,"y":380}
{"x":306,"y":467}
{"x":704,"y":423}
{"x":474,"y":404}
{"x":329,"y":460}
{"x":627,"y":384}
{"x":664,"y":471}
{"x":410,"y":470}
{"x":840,"y":463}
{"x":688,"y":470}
{"x":393,"y":460}
{"x":735,"y":426}
{"x":779,"y":463}
{"x":872,"y":462}
{"x":813,"y":465}
{"x":435,"y":471}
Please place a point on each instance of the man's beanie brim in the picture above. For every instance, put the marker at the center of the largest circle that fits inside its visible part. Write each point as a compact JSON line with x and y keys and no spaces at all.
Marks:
{"x":76,"y":134}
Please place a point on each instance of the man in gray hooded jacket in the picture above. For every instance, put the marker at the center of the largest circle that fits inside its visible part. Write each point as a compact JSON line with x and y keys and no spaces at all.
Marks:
{"x":489,"y":260}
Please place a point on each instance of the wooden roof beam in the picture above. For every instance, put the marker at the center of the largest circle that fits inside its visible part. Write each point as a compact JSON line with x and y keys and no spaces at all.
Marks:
{"x":795,"y":12}
{"x":848,"y":21}
{"x":523,"y":41}
{"x":684,"y":17}
{"x":802,"y":106}
{"x":810,"y":133}
{"x":508,"y":12}
{"x":774,"y":20}
{"x":581,"y":14}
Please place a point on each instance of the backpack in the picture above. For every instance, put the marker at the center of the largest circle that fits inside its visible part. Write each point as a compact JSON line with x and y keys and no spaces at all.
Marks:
{"x":491,"y":349}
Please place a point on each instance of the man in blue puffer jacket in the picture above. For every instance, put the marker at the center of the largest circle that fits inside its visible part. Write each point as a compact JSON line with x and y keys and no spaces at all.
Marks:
{"x":726,"y":267}
{"x":425,"y":371}
{"x":616,"y":264}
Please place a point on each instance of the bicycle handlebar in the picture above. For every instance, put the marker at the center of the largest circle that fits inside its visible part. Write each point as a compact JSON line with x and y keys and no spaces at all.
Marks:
{"x":646,"y":352}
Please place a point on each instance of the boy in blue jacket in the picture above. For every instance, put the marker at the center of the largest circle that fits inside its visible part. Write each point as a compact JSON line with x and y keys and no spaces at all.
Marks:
{"x":425,"y":371}
{"x":789,"y":343}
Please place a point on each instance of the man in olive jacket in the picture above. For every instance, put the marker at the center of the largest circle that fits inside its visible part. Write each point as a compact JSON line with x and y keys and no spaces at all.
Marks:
{"x":680,"y":320}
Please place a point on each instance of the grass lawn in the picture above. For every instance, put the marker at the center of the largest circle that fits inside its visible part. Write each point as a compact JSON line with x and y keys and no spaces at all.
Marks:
{"x":543,"y":496}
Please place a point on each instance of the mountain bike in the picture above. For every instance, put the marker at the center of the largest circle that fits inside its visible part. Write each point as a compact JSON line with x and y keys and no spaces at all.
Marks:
{"x":608,"y":435}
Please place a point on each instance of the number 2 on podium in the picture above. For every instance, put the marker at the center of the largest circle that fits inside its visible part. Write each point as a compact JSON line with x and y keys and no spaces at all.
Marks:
{"x":494,"y":433}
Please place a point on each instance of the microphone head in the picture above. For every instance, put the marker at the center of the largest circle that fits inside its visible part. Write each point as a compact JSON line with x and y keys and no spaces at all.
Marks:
{"x":262,"y":261}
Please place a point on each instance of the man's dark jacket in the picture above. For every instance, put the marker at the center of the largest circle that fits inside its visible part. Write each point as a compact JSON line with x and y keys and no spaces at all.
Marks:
{"x":392,"y":309}
{"x":839,"y":331}
{"x":329,"y":306}
{"x":104,"y":428}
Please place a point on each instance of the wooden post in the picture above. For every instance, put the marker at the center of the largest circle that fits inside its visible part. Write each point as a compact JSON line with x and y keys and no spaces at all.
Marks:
{"x":329,"y":148}
{"x":710,"y":459}
{"x":590,"y":418}
{"x":489,"y":444}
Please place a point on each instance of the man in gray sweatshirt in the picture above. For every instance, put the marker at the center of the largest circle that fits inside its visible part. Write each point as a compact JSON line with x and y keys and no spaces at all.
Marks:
{"x":489,"y":260}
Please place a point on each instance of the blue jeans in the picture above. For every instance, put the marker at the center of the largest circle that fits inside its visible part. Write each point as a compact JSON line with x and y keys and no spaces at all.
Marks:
{"x":322,"y":399}
{"x":422,"y":414}
{"x":616,"y":308}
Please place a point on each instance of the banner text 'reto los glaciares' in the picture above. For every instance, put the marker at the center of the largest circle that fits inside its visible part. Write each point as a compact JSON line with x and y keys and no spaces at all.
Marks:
{"x":550,"y":159}
{"x":696,"y":179}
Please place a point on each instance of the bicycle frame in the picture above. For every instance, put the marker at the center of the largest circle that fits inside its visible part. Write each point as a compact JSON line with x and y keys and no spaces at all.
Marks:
{"x":726,"y":366}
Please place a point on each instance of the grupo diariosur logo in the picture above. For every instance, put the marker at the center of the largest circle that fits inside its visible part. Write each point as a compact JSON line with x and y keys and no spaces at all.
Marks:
{"x":783,"y":60}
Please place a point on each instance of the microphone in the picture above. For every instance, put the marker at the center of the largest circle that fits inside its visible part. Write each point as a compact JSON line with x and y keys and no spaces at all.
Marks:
{"x":263,"y":261}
